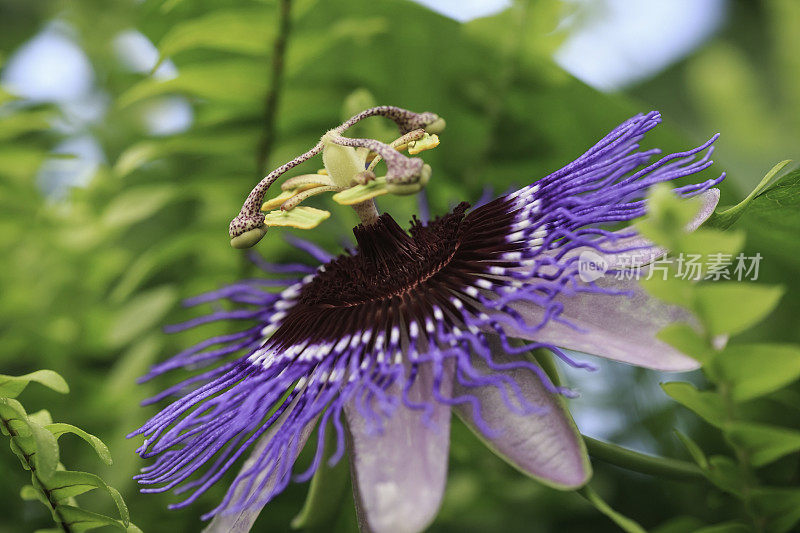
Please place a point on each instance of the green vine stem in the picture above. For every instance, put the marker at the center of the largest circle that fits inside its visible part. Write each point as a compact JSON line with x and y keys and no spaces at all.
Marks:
{"x":272,"y":97}
{"x":47,"y":491}
{"x":743,"y":458}
{"x":625,"y":523}
{"x":643,"y":463}
{"x":723,"y":389}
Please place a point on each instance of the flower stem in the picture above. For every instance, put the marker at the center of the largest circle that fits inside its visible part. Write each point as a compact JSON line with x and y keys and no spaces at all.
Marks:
{"x":367,"y":212}
{"x":642,"y":463}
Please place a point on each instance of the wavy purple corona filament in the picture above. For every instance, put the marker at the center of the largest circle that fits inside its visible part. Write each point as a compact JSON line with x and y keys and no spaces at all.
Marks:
{"x":358,"y":330}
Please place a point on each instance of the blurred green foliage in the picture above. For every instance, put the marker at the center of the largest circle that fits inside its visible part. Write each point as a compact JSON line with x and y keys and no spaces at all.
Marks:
{"x":736,"y":371}
{"x":89,"y":279}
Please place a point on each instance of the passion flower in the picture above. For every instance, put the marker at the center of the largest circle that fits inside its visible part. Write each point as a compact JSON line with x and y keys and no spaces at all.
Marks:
{"x":381,"y":343}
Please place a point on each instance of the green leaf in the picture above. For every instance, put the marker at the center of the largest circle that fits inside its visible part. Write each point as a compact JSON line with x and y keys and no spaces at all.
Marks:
{"x":754,"y":370}
{"x":120,"y":382}
{"x":135,"y":156}
{"x":671,"y":290}
{"x":683,"y":337}
{"x":723,"y":472}
{"x":727,"y":527}
{"x":151,"y":261}
{"x":725,"y":219}
{"x":137,"y":204}
{"x":19,"y":163}
{"x":730,"y":308}
{"x":667,"y":217}
{"x":240,"y":82}
{"x":625,"y":523}
{"x":537,"y":43}
{"x":230,"y":30}
{"x":772,"y":219}
{"x":46,"y":457}
{"x":59,"y":429}
{"x":14,"y":417}
{"x":41,"y":417}
{"x":694,"y":450}
{"x":63,"y":485}
{"x":781,"y":506}
{"x":140,"y":314}
{"x":15,"y":124}
{"x":216,"y":146}
{"x":765,"y":443}
{"x":82,"y":520}
{"x":709,"y":241}
{"x":310,"y":47}
{"x":29,"y":493}
{"x":707,"y":405}
{"x":12,"y":386}
{"x":31,"y":442}
{"x":5,"y":96}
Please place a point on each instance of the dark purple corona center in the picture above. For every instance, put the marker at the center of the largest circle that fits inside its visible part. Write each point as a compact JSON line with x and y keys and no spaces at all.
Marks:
{"x":388,"y":261}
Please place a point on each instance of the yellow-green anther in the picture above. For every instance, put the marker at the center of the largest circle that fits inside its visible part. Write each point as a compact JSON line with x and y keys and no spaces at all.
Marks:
{"x":306,"y":181}
{"x":298,"y":198}
{"x":361,"y":193}
{"x":277,"y":201}
{"x":399,"y":144}
{"x":301,"y":217}
{"x":427,"y":142}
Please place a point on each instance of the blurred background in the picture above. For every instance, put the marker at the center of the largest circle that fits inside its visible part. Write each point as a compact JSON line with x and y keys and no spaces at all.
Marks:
{"x":131,"y":132}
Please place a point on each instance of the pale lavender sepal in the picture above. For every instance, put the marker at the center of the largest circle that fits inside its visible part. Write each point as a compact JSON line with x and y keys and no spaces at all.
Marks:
{"x":621,"y":327}
{"x":242,"y":521}
{"x":708,"y":203}
{"x":399,"y":475}
{"x":546,"y":446}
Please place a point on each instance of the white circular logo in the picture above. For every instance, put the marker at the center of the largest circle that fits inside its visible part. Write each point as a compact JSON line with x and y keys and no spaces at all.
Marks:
{"x":591,"y":266}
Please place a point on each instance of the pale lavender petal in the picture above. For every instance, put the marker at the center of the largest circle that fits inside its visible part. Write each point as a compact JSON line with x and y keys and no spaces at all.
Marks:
{"x":546,"y":445}
{"x":399,"y":475}
{"x":622,"y":327}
